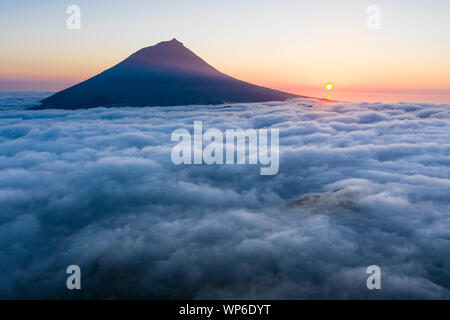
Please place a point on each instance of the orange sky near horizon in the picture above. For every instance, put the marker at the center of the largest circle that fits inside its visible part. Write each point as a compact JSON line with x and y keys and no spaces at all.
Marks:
{"x":388,"y":77}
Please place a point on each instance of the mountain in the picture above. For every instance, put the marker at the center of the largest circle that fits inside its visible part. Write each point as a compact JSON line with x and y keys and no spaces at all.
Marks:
{"x":165,"y":74}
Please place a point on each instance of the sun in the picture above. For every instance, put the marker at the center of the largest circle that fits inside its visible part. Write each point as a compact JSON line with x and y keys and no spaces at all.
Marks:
{"x":329,"y":86}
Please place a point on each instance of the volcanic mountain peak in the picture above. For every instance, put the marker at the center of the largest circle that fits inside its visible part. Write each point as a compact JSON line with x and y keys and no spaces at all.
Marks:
{"x":169,"y":56}
{"x":172,"y":47}
{"x":171,"y":43}
{"x":165,"y":74}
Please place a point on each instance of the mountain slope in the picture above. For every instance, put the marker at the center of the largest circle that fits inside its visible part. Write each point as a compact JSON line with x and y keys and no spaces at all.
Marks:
{"x":161,"y":75}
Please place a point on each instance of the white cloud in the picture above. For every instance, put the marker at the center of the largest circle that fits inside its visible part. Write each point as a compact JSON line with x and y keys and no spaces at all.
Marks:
{"x":359,"y":184}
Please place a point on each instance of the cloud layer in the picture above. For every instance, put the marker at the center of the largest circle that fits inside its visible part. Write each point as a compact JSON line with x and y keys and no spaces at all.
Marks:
{"x":359,"y":184}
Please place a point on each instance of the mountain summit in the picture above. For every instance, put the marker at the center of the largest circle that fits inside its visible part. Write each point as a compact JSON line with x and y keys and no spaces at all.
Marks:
{"x":165,"y":74}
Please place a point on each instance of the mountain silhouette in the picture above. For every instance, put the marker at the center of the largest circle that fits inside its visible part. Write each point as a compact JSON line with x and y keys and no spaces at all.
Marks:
{"x":166,"y":74}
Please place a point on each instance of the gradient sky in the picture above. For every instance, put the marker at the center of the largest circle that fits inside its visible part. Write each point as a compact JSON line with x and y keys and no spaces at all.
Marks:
{"x":292,"y":45}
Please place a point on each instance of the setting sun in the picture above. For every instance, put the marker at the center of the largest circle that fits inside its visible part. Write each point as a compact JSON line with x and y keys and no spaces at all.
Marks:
{"x":329,"y":86}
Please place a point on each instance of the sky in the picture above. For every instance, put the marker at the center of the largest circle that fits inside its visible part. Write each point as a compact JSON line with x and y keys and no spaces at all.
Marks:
{"x":295,"y":46}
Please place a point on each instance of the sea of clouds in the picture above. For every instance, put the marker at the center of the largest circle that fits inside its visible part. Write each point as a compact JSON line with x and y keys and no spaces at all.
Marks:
{"x":359,"y":184}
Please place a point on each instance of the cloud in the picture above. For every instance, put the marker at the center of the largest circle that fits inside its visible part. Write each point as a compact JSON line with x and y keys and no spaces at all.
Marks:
{"x":359,"y":184}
